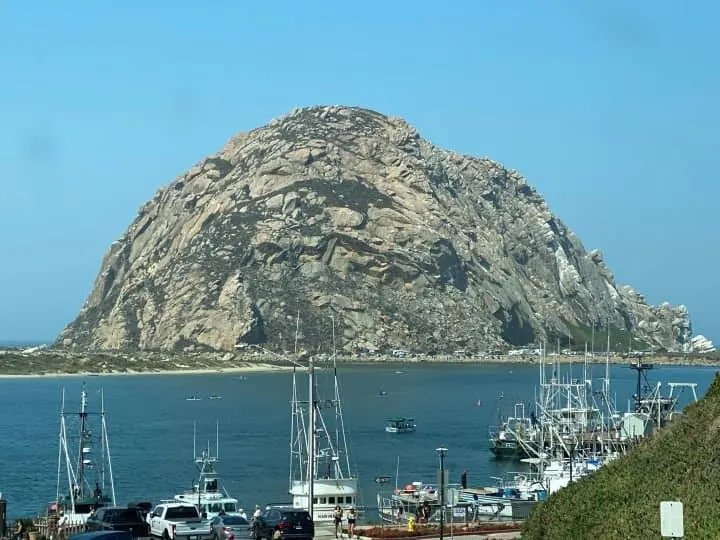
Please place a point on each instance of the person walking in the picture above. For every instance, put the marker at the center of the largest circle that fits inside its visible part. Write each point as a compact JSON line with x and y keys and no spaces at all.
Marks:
{"x":19,"y":530}
{"x":352,"y":517}
{"x":337,"y":518}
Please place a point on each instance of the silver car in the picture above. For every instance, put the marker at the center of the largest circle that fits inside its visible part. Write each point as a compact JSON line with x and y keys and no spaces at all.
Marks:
{"x":227,"y":527}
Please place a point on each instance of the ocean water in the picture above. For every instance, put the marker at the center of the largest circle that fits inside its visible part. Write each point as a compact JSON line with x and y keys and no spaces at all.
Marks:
{"x":151,"y":426}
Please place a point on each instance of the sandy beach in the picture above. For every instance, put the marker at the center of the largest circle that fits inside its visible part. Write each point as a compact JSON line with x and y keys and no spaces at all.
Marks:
{"x":243,"y":369}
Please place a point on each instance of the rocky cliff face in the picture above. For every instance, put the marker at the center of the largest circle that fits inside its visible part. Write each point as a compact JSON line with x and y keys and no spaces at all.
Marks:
{"x":345,"y":212}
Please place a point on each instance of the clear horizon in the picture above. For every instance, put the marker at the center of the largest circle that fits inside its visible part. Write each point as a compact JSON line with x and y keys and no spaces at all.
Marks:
{"x":609,"y":110}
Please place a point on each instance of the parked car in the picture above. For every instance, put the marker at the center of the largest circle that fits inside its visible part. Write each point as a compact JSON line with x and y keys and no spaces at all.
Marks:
{"x":289,"y":524}
{"x":178,"y":521}
{"x":226,"y":527}
{"x":118,"y":518}
{"x":103,"y":535}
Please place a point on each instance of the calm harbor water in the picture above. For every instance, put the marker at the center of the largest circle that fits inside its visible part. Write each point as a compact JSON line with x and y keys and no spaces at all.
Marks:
{"x":151,"y":426}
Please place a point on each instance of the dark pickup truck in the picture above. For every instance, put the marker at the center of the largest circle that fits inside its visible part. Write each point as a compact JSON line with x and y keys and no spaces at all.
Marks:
{"x":116,"y":518}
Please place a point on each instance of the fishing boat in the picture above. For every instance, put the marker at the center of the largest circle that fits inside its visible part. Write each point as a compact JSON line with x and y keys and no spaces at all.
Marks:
{"x":85,"y":477}
{"x":417,"y":500}
{"x":194,"y":397}
{"x":320,"y":469}
{"x":400,"y":425}
{"x":513,"y":497}
{"x":209,"y":494}
{"x":506,"y":439}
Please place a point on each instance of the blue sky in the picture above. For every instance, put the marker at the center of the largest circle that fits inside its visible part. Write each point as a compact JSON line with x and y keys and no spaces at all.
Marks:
{"x":609,"y":108}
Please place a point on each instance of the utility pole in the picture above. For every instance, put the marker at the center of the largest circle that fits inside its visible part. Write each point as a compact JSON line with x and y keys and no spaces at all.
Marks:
{"x":441,"y":452}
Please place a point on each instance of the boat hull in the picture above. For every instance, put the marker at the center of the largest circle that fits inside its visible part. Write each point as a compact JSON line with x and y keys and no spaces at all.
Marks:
{"x":399,"y":430}
{"x":507,"y":450}
{"x":327,"y":493}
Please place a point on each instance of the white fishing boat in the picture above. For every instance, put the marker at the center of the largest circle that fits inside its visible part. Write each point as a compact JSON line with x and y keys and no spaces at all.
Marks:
{"x":320,"y":467}
{"x":209,"y":494}
{"x":400,"y":425}
{"x":84,"y":466}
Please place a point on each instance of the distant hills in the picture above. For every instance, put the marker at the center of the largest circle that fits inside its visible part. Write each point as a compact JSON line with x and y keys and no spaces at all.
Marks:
{"x":19,"y":344}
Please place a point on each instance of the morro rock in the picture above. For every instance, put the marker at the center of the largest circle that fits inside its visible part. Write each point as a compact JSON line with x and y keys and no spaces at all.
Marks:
{"x":344,"y":212}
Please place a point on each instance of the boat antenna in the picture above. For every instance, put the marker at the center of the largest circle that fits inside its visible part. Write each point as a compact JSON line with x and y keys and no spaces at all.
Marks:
{"x":217,"y":439}
{"x":194,"y":440}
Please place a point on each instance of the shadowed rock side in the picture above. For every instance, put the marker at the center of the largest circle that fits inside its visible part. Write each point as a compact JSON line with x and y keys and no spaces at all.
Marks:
{"x":346,"y":211}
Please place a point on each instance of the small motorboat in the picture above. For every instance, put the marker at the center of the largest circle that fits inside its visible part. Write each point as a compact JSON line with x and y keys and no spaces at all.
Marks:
{"x":400,"y":425}
{"x":193,"y":398}
{"x":382,"y":393}
{"x":215,"y":397}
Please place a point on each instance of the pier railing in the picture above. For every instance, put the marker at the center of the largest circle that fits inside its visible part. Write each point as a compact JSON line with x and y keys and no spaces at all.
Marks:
{"x":50,"y":528}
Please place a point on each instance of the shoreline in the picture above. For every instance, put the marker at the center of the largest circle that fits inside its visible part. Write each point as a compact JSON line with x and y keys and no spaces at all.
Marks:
{"x":114,"y":365}
{"x":253,"y":368}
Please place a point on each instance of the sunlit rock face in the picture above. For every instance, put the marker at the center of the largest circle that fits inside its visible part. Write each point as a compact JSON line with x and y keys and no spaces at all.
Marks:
{"x":343,"y":211}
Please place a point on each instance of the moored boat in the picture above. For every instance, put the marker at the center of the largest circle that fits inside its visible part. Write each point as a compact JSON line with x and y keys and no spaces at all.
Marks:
{"x":320,"y":462}
{"x":85,"y":479}
{"x":209,"y":494}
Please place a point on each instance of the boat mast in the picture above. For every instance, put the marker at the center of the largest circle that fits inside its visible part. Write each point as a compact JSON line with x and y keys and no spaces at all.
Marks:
{"x":297,"y":331}
{"x":311,"y":435}
{"x":60,"y":445}
{"x":294,"y":421}
{"x":338,"y":417}
{"x":64,"y":451}
{"x":106,"y":446}
{"x":295,"y":439}
{"x":397,"y":472}
{"x":607,"y":365}
{"x":83,"y":440}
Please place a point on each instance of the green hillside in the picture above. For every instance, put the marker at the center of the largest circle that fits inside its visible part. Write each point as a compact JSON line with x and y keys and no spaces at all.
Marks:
{"x":622,"y":500}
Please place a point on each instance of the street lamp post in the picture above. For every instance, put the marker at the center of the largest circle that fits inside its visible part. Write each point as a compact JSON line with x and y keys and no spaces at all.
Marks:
{"x":380,"y":480}
{"x":441,"y":452}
